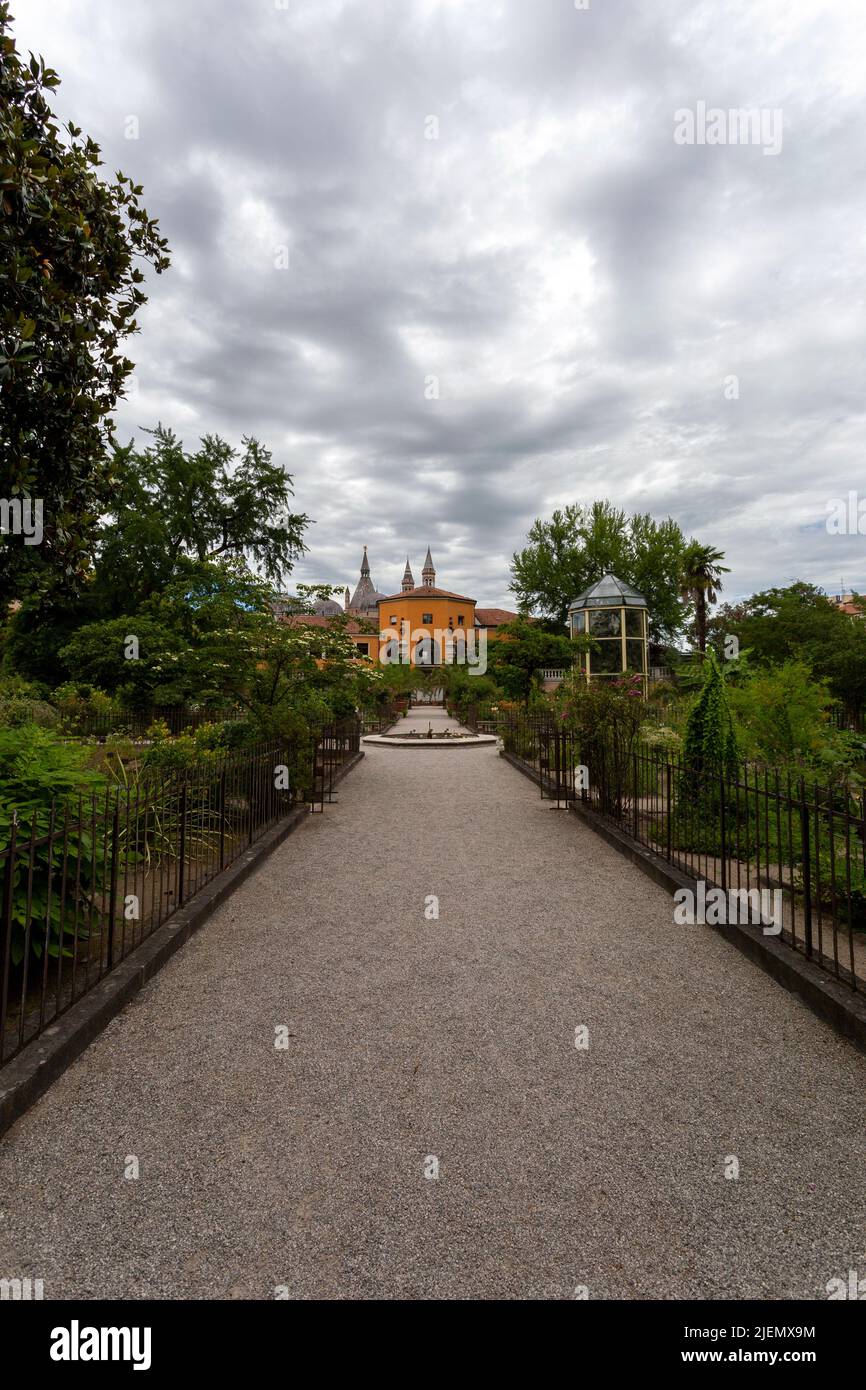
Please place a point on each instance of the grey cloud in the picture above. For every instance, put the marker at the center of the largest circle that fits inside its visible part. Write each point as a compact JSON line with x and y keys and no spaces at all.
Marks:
{"x":581,"y":285}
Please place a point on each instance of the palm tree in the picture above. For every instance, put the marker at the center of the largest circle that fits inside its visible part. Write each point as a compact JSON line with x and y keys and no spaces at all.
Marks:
{"x":700,"y":579}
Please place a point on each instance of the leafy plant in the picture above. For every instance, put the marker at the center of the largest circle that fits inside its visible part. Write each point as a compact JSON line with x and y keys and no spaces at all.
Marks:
{"x":521,"y":652}
{"x":700,"y":578}
{"x":607,"y":716}
{"x":43,"y":784}
{"x":17,"y":710}
{"x":710,"y":762}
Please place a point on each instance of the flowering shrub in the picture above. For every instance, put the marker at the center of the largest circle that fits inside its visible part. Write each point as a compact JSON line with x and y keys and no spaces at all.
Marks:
{"x":612,"y":705}
{"x":661,"y":737}
{"x":606,"y":715}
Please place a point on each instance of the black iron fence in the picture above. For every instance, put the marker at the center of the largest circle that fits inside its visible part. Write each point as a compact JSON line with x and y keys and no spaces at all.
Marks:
{"x":474,"y":715}
{"x":86,"y":879}
{"x":380,"y":720}
{"x":85,"y":722}
{"x":772,"y":842}
{"x":848,"y":718}
{"x":334,"y":746}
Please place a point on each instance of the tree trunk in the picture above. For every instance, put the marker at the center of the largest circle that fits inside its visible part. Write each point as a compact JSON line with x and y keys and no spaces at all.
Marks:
{"x":701,"y":621}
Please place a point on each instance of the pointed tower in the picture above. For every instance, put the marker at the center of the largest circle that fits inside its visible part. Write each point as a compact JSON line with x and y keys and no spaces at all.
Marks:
{"x":408,"y":582}
{"x":428,"y":574}
{"x":366,"y":594}
{"x":364,"y":586}
{"x":346,"y":600}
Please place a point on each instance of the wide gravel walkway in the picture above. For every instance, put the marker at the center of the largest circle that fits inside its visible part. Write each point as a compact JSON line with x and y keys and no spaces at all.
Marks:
{"x":412,"y":1038}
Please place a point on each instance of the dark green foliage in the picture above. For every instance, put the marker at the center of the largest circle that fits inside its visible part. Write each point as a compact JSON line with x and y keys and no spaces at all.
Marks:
{"x":36,"y":772}
{"x":606,"y":716}
{"x":70,"y":290}
{"x":799,"y":623}
{"x":177,"y":515}
{"x":710,"y":764}
{"x":523,"y":650}
{"x":710,"y":745}
{"x":97,"y":654}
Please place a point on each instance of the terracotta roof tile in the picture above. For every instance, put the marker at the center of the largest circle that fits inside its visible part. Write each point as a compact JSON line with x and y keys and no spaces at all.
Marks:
{"x":425,"y":591}
{"x":494,"y":617}
{"x":316,"y":620}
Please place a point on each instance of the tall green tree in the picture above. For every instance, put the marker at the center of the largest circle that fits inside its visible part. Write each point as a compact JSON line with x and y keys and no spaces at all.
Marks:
{"x":700,"y":580}
{"x":578,"y":545}
{"x":524,"y":650}
{"x":184,"y":525}
{"x":71,"y":249}
{"x":799,"y":623}
{"x":175,"y":511}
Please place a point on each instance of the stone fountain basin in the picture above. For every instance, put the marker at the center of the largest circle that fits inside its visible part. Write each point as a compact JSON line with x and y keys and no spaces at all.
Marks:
{"x":402,"y":741}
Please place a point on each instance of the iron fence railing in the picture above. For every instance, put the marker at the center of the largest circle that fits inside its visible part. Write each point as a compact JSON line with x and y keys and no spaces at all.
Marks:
{"x":335,"y":745}
{"x":473,"y":715}
{"x":83,"y":722}
{"x":748,"y":831}
{"x":85,"y":879}
{"x":848,"y":718}
{"x":379,"y":721}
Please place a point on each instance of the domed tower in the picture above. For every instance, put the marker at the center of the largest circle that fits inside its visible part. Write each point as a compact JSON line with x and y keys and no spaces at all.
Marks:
{"x":428,"y":574}
{"x":408,"y":582}
{"x":326,"y":608}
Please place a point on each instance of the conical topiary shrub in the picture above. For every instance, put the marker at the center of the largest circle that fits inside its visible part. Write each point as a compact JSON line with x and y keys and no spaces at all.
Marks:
{"x":709,"y":766}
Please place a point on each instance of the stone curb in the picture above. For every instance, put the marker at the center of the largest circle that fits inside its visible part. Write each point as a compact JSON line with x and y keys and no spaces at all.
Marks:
{"x":28,"y":1076}
{"x":393,"y":741}
{"x":826,"y":996}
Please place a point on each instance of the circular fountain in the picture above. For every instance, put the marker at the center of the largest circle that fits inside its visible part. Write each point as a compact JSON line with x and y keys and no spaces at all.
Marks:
{"x":417,"y":736}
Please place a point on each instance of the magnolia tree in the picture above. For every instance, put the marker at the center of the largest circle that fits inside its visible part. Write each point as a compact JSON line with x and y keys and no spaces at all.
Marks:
{"x":72,"y":248}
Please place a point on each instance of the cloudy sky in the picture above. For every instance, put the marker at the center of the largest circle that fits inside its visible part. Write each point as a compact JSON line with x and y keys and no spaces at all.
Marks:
{"x":368,"y":201}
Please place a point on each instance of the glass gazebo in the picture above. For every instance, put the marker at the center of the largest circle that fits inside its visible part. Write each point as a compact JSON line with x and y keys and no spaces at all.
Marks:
{"x":615,"y":617}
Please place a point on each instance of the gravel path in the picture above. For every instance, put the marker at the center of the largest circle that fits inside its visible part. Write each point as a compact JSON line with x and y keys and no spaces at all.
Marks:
{"x":411,"y":1038}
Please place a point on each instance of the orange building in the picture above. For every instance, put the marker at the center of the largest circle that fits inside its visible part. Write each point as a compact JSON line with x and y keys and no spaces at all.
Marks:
{"x":422,"y":625}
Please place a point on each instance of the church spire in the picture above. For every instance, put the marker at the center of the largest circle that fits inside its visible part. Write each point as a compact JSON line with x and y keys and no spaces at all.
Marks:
{"x":365,"y":590}
{"x":408,"y":581}
{"x":428,"y":574}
